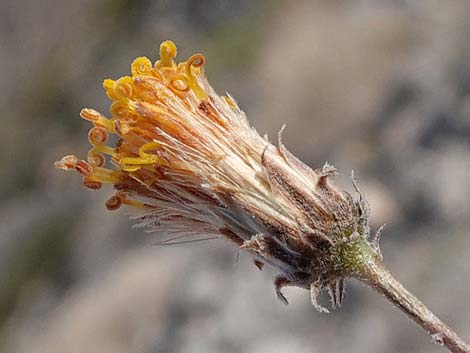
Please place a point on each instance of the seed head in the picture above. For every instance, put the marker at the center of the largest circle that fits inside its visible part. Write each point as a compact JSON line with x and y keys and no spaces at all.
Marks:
{"x":191,"y":165}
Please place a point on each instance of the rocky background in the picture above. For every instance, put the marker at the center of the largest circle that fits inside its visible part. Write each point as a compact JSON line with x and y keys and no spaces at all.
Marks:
{"x":378,"y":86}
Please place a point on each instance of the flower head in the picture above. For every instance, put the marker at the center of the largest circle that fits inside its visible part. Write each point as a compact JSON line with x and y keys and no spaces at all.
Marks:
{"x":191,"y":165}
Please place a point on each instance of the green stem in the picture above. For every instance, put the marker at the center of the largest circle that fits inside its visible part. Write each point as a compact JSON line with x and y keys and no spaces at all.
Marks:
{"x":373,"y":272}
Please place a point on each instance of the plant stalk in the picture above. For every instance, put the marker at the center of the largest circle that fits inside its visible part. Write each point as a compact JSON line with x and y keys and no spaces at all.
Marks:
{"x":376,"y":275}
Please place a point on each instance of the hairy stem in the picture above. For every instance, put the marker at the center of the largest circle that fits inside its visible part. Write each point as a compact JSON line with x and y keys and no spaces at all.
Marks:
{"x":376,"y":275}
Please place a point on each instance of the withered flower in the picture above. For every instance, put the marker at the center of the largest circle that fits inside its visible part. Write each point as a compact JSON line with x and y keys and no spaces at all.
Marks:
{"x":188,"y":160}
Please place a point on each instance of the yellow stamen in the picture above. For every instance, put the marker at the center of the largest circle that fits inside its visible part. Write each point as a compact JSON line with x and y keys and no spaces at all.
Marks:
{"x":132,"y":164}
{"x":91,"y":184}
{"x":84,"y":168}
{"x":104,"y":175}
{"x":148,"y":147}
{"x":196,"y":61}
{"x":113,"y":203}
{"x":122,"y":110}
{"x":141,"y":66}
{"x":96,"y":159}
{"x":121,"y":127}
{"x":167,"y":53}
{"x":108,"y":86}
{"x":142,"y":104}
{"x":97,"y":135}
{"x":97,"y":119}
{"x":180,"y":84}
{"x":124,"y":88}
{"x":133,"y":203}
{"x":104,"y":149}
{"x":90,"y":114}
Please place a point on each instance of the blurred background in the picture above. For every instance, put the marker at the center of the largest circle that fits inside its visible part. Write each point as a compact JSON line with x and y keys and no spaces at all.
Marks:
{"x":378,"y":86}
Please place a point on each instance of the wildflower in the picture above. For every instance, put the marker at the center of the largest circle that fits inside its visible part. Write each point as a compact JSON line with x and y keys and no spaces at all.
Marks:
{"x":190,"y":164}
